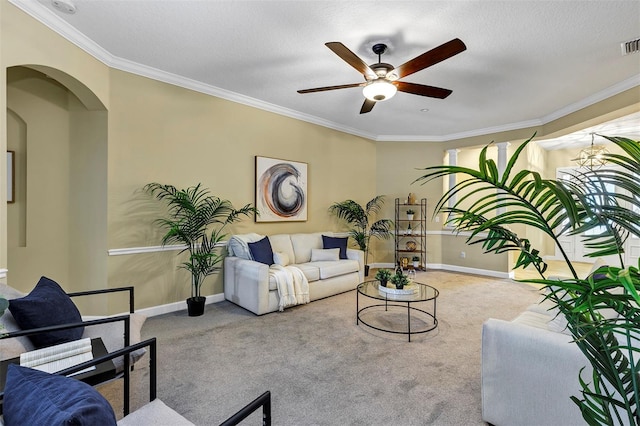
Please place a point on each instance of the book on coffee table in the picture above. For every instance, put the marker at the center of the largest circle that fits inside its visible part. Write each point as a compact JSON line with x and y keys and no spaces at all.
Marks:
{"x":56,"y":358}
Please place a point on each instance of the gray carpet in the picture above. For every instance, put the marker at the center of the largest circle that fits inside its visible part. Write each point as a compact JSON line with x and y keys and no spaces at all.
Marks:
{"x":323,"y":369}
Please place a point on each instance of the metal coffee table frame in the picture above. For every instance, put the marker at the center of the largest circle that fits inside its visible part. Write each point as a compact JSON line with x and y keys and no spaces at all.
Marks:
{"x":425,"y":293}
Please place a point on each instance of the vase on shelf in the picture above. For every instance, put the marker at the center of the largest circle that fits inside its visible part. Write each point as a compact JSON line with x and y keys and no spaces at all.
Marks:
{"x":412,"y":198}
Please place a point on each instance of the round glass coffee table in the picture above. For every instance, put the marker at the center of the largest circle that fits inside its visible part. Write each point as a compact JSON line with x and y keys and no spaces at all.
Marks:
{"x":413,"y":301}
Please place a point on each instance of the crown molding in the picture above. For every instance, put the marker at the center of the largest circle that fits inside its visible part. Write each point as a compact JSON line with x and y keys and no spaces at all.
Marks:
{"x":51,"y":20}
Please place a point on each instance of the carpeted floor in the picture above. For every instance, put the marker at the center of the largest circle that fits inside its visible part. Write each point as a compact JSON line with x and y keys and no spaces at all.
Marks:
{"x":322,"y":368}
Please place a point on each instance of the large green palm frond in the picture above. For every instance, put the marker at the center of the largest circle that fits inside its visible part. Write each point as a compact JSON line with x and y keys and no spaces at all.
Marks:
{"x":615,"y":213}
{"x":524,"y":198}
{"x":610,"y":342}
{"x":487,"y":204}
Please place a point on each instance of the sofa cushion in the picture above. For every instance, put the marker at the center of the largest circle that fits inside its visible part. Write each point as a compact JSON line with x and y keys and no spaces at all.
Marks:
{"x":33,"y":397}
{"x":281,"y":258}
{"x":310,"y":270}
{"x":533,"y":319}
{"x":282,"y":243}
{"x":238,"y":245}
{"x":261,"y":251}
{"x":336,"y":242}
{"x":47,"y":305}
{"x":335,"y":268}
{"x":302,"y":245}
{"x":320,"y":255}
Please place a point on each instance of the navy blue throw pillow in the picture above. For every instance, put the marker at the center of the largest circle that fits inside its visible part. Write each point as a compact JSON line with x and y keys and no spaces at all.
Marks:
{"x":47,"y":305}
{"x":336,"y":242}
{"x":597,"y":276}
{"x":261,"y":251}
{"x":33,"y":397}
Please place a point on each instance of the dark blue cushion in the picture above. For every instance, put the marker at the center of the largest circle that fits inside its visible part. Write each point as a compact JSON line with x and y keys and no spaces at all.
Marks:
{"x":261,"y":251}
{"x":33,"y":397}
{"x":597,"y":276}
{"x":336,"y":242}
{"x":47,"y":305}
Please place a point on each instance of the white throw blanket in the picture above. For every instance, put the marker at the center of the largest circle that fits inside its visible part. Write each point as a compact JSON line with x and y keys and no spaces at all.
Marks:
{"x":293,"y":286}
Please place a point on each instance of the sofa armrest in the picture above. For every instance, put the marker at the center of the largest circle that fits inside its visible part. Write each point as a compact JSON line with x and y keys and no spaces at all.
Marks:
{"x":246,"y":283}
{"x":358,"y":255}
{"x":529,"y":375}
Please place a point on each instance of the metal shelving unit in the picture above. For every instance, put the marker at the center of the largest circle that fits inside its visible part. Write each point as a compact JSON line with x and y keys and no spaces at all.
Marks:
{"x":411,"y":234}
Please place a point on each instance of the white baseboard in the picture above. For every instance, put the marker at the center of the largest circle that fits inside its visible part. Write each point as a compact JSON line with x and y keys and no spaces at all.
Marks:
{"x":176,"y":306}
{"x":215,"y":298}
{"x":475,"y":271}
{"x":454,"y":268}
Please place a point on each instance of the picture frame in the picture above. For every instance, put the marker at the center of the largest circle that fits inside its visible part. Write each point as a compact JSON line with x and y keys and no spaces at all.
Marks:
{"x":11,"y":176}
{"x":281,"y":190}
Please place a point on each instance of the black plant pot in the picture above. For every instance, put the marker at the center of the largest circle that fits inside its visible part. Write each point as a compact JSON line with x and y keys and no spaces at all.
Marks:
{"x":366,"y":270}
{"x":195,"y":306}
{"x":383,"y":283}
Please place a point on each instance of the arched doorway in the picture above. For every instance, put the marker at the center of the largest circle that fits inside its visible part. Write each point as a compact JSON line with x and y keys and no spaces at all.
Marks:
{"x":57,"y":224}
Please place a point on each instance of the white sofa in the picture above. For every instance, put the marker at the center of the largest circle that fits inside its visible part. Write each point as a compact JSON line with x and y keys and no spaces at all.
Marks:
{"x":530,"y":370}
{"x":248,"y":284}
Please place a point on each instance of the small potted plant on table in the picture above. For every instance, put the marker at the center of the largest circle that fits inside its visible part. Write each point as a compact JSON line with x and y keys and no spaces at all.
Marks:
{"x":399,"y":280}
{"x":383,"y":275}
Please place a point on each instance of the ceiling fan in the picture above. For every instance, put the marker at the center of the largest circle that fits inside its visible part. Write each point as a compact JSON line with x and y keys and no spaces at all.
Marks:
{"x":381,"y":79}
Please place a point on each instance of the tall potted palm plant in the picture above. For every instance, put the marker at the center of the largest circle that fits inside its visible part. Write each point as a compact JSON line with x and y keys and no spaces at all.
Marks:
{"x":196,"y":219}
{"x":555,"y":207}
{"x":360,"y":218}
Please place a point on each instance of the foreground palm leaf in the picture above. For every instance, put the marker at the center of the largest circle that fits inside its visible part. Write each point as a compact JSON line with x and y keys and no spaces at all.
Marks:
{"x":487,"y":204}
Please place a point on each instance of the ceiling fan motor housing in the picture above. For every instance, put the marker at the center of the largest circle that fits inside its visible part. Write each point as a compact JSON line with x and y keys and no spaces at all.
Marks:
{"x":382,"y":78}
{"x":381,"y":69}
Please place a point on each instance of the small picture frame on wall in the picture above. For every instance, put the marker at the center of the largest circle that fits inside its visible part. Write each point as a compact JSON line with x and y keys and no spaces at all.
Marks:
{"x":281,"y":190}
{"x":11,"y":175}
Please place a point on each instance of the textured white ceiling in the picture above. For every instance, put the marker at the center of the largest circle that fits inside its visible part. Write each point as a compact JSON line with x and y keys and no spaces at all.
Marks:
{"x":526,"y":63}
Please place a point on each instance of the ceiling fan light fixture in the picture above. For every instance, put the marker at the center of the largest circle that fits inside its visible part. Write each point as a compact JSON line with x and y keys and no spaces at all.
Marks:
{"x":379,"y":90}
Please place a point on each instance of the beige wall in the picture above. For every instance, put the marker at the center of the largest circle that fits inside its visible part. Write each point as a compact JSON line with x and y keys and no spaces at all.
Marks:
{"x":162,"y":133}
{"x":143,"y":130}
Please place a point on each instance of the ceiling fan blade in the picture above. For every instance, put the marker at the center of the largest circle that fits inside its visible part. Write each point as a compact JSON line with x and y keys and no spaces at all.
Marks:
{"x":422,"y":90}
{"x":367,"y":106}
{"x":432,"y":57}
{"x":324,"y":89}
{"x":351,"y":58}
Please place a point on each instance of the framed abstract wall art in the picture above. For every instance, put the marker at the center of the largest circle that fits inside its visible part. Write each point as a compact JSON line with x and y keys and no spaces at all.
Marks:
{"x":281,"y":190}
